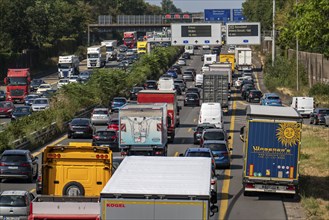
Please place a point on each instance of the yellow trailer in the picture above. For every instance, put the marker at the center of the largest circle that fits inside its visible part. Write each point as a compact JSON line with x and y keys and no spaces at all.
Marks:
{"x":228,"y":58}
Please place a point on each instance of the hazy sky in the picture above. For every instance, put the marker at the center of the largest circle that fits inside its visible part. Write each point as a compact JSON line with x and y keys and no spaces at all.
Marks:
{"x":200,"y":5}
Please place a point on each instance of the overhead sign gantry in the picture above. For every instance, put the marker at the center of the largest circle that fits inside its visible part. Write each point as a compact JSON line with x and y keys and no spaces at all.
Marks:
{"x":247,"y":33}
{"x":196,"y":34}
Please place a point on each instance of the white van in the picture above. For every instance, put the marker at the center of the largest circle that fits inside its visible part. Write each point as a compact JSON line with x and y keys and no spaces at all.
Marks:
{"x":211,"y":112}
{"x":303,"y":105}
{"x":166,"y":83}
{"x":189,"y":49}
{"x":210,"y":59}
{"x":198,"y":80}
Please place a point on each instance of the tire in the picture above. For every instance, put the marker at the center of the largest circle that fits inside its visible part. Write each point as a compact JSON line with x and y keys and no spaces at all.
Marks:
{"x":76,"y":187}
{"x":248,"y":193}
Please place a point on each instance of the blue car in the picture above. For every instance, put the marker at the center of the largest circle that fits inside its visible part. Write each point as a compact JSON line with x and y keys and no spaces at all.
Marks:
{"x":172,"y":73}
{"x":117,"y":103}
{"x":220,"y":151}
{"x":201,"y":152}
{"x":30,"y":98}
{"x":271,"y":99}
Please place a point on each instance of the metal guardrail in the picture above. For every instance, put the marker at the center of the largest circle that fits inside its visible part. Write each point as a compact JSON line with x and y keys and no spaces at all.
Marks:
{"x":46,"y":134}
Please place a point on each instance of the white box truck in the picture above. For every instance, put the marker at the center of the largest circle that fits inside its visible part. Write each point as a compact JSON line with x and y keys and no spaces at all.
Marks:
{"x":159,"y":188}
{"x":111,"y":49}
{"x":143,"y":129}
{"x":68,"y":66}
{"x":96,"y":56}
{"x":223,"y":66}
{"x":243,"y":58}
{"x":303,"y":105}
{"x":210,"y":59}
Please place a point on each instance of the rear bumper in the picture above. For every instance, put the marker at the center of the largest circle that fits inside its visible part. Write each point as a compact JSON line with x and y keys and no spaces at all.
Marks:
{"x":15,"y":176}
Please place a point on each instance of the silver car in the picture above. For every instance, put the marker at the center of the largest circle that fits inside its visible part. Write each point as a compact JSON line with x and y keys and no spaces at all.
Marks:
{"x":100,"y":116}
{"x":181,"y":84}
{"x":181,"y":62}
{"x":15,"y":204}
{"x":40,"y":104}
{"x":188,"y":76}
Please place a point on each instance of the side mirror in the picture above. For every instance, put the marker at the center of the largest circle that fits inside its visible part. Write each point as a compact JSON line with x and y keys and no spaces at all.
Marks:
{"x":181,"y":155}
{"x":213,"y":197}
{"x":213,"y":209}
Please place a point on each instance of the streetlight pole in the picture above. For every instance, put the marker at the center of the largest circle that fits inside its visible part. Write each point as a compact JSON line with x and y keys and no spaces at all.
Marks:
{"x":297,"y":48}
{"x":273,"y":35}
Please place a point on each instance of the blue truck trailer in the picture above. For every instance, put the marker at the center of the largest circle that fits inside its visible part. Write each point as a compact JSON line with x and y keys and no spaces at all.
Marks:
{"x":271,"y":150}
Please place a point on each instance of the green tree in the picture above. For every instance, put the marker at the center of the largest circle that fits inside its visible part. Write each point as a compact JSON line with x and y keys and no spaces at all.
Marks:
{"x":169,"y":7}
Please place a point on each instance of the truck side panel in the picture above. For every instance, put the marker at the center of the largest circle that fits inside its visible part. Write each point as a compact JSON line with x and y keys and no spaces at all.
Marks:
{"x":275,"y":157}
{"x":215,"y":88}
{"x":123,"y":209}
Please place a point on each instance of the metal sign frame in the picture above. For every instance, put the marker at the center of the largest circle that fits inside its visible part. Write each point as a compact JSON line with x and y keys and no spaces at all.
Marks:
{"x":196,"y":34}
{"x":243,"y":33}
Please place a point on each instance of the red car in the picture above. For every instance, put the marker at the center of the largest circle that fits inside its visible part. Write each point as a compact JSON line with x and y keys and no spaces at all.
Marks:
{"x":6,"y":108}
{"x":113,"y":124}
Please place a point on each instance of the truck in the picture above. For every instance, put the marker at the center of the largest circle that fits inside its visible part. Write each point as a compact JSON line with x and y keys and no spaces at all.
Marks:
{"x":166,"y":83}
{"x":17,"y":84}
{"x":272,"y":142}
{"x":223,"y":66}
{"x":72,"y":177}
{"x":304,"y":105}
{"x":160,"y":188}
{"x":111,"y":49}
{"x":143,"y":129}
{"x":130,"y":39}
{"x":96,"y":56}
{"x":215,"y":88}
{"x":210,"y":59}
{"x":230,"y":58}
{"x":163,"y":96}
{"x":243,"y":56}
{"x":68,"y":66}
{"x":142,"y":47}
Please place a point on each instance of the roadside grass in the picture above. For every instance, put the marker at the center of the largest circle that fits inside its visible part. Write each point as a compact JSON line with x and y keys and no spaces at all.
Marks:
{"x":314,"y":171}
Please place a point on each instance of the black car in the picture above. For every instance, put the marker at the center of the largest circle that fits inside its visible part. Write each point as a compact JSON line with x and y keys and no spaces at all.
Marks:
{"x":134,"y":91}
{"x":198,"y":131}
{"x":186,"y":56}
{"x":35,"y":83}
{"x":106,"y":137}
{"x":317,"y":116}
{"x":80,"y":127}
{"x":123,"y":48}
{"x":2,"y":95}
{"x":151,"y":84}
{"x":120,"y":57}
{"x":177,"y":68}
{"x":178,"y":89}
{"x":18,"y":164}
{"x":21,"y":111}
{"x":193,"y":90}
{"x":254,"y":96}
{"x":192,"y":99}
{"x":246,"y":91}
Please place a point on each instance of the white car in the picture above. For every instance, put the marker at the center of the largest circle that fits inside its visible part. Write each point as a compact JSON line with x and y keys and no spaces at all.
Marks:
{"x":62,"y":82}
{"x":238,"y":82}
{"x":100,"y":116}
{"x":40,"y":104}
{"x":181,"y":62}
{"x":73,"y":79}
{"x":43,"y":87}
{"x":231,"y":49}
{"x":130,"y":52}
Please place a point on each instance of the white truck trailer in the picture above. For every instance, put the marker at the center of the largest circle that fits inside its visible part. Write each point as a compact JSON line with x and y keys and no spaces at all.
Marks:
{"x":111,"y":49}
{"x":159,"y":188}
{"x":223,"y":66}
{"x":68,"y":66}
{"x":143,"y":129}
{"x":243,"y":57}
{"x":96,"y":56}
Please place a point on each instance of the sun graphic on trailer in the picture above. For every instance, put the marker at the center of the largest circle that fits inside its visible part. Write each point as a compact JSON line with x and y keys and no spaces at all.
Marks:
{"x":288,"y":134}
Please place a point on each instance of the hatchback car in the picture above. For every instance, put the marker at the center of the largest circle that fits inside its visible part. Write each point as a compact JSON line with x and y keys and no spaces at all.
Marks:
{"x":214,"y":134}
{"x":84,"y":76}
{"x":62,"y":82}
{"x":35,"y":83}
{"x":43,"y":87}
{"x":193,"y":90}
{"x":106,"y":137}
{"x":113,"y":124}
{"x":220,"y":151}
{"x":181,"y":84}
{"x":198,"y":131}
{"x":80,"y":127}
{"x":117,"y":103}
{"x":100,"y":116}
{"x":30,"y":98}
{"x":192,"y":99}
{"x":318,"y":115}
{"x":40,"y":104}
{"x":188,"y":76}
{"x":18,"y":164}
{"x":254,"y":96}
{"x":6,"y":108}
{"x":15,"y":204}
{"x":201,"y":152}
{"x":172,"y":73}
{"x":21,"y":111}
{"x":181,"y":62}
{"x":2,"y":95}
{"x":134,"y":91}
{"x":151,"y":84}
{"x":271,"y":99}
{"x":186,"y":56}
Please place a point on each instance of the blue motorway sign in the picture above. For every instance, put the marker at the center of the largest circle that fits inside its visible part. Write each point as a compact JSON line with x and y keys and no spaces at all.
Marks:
{"x":238,"y":15}
{"x":217,"y":15}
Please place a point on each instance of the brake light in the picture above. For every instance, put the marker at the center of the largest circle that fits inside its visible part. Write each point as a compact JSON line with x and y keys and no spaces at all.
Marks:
{"x":2,"y":164}
{"x":31,"y":208}
{"x":53,"y":156}
{"x":101,"y":156}
{"x":123,"y":153}
{"x":213,"y":182}
{"x":290,"y":188}
{"x":158,"y":152}
{"x":25,"y":165}
{"x":96,"y":137}
{"x":250,"y":185}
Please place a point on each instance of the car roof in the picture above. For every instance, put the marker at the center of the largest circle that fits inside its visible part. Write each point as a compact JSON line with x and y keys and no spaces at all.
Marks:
{"x":14,"y":192}
{"x":16,"y":152}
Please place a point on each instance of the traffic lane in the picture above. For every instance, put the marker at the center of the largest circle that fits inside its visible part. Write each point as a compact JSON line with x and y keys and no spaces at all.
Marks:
{"x":261,"y":206}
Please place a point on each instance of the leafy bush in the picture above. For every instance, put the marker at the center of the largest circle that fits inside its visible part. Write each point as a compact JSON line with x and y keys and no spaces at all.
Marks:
{"x":319,"y":89}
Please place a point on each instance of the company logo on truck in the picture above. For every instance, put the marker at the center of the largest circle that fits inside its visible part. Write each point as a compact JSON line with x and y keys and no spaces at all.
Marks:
{"x":115,"y":205}
{"x":288,"y":134}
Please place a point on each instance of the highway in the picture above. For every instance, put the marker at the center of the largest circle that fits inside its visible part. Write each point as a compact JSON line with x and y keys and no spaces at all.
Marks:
{"x":232,"y":203}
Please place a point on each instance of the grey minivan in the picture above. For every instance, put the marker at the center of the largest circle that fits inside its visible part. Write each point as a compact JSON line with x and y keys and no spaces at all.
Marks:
{"x":15,"y":204}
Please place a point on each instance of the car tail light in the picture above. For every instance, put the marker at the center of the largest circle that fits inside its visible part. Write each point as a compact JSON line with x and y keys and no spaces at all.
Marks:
{"x":96,"y":137}
{"x":53,"y":156}
{"x":101,"y":156}
{"x":291,"y":188}
{"x":123,"y":153}
{"x":158,"y":152}
{"x":25,"y":165}
{"x":225,"y":153}
{"x":213,"y":181}
{"x":2,"y":164}
{"x":31,"y":208}
{"x":250,"y":185}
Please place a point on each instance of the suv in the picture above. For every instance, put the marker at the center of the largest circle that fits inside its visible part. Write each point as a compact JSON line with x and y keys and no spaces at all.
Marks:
{"x":151,"y":84}
{"x":220,"y":151}
{"x":117,"y":103}
{"x":100,"y":116}
{"x":15,"y":204}
{"x":217,"y":134}
{"x":254,"y":96}
{"x":198,"y":131}
{"x":18,"y":164}
{"x":106,"y":137}
{"x":317,"y":116}
{"x":80,"y":127}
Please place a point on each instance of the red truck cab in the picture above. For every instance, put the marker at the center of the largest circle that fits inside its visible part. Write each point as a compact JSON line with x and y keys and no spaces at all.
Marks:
{"x":163,"y":96}
{"x":18,"y":84}
{"x":130,"y":39}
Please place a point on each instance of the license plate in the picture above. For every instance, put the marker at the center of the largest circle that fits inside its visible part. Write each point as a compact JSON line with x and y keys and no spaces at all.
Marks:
{"x":270,"y":188}
{"x":216,"y":157}
{"x":93,"y":64}
{"x":79,"y":132}
{"x":256,"y":99}
{"x":10,"y":218}
{"x":13,"y":168}
{"x":191,"y":99}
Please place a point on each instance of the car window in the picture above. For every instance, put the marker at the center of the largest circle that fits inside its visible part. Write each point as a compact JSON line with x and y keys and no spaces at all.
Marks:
{"x":273,"y":98}
{"x":119,"y":100}
{"x":191,"y":95}
{"x":100,"y":112}
{"x":114,"y":121}
{"x":80,"y":122}
{"x":187,"y":73}
{"x":13,"y":158}
{"x":216,"y":147}
{"x":12,"y":201}
{"x":209,"y":135}
{"x":324,"y":111}
{"x":198,"y":154}
{"x":106,"y":133}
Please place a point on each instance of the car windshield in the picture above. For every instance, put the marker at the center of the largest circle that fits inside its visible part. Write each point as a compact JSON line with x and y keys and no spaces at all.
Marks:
{"x":5,"y":104}
{"x":63,"y":81}
{"x":256,"y":93}
{"x":198,"y":154}
{"x":64,"y":65}
{"x":187,"y":73}
{"x":178,"y":81}
{"x":100,"y":112}
{"x":114,"y":122}
{"x":273,"y":98}
{"x":192,"y":90}
{"x":106,"y":133}
{"x":12,"y":201}
{"x":14,"y":158}
{"x":119,"y":100}
{"x":36,"y":82}
{"x":80,"y":122}
{"x":32,"y":96}
{"x":324,"y":111}
{"x":216,"y":146}
{"x":22,"y":109}
{"x":17,"y":81}
{"x":213,"y":135}
{"x":44,"y":86}
{"x":191,"y":95}
{"x":41,"y":101}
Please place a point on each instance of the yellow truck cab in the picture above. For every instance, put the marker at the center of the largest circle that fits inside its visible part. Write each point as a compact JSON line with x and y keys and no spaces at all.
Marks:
{"x":141,"y":46}
{"x":223,"y":58}
{"x":77,"y":169}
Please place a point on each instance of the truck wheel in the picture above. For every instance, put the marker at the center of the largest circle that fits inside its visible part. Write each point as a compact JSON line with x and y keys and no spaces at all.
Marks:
{"x":73,"y":189}
{"x":248,"y":193}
